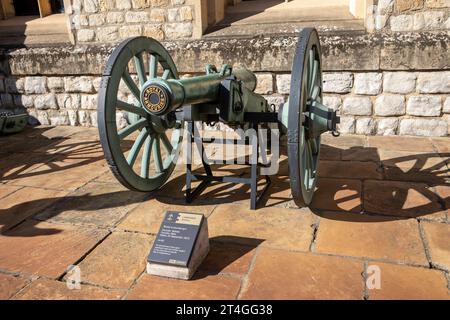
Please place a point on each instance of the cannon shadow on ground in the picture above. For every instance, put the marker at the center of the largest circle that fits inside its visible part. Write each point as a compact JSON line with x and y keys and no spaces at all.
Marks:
{"x":380,"y":189}
{"x":401,"y":187}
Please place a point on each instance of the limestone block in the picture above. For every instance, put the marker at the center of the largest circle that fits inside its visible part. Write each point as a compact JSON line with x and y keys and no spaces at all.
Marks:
{"x":368,"y":83}
{"x":387,"y":126}
{"x":337,"y":82}
{"x":399,"y":82}
{"x":425,"y":106}
{"x":423,"y":127}
{"x":357,"y":106}
{"x":390,"y":105}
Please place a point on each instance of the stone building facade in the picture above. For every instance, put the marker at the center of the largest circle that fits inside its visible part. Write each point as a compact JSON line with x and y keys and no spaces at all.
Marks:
{"x":391,"y":79}
{"x":94,"y":21}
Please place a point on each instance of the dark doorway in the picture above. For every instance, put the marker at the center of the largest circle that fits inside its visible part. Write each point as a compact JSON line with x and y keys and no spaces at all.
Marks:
{"x":26,"y":8}
{"x":57,"y":6}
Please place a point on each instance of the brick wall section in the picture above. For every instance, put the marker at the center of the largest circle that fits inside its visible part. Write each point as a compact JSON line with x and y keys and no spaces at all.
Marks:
{"x":410,"y":15}
{"x":112,"y":20}
{"x":371,"y":103}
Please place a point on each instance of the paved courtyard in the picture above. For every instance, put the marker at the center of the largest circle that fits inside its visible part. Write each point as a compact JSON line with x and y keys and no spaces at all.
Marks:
{"x":382,"y":204}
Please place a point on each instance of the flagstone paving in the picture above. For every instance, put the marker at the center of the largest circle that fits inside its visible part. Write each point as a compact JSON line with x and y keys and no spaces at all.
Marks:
{"x":378,"y":228}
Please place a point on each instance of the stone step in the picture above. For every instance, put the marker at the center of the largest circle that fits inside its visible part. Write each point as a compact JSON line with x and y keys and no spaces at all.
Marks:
{"x":34,"y":40}
{"x":240,"y":30}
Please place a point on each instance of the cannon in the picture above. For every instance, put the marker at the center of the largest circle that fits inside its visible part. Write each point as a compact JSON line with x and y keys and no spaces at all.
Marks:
{"x":163,"y":103}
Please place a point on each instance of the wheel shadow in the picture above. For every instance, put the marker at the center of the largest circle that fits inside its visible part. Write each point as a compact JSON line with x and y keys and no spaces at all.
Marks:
{"x":342,"y":191}
{"x":390,"y":188}
{"x":33,"y":153}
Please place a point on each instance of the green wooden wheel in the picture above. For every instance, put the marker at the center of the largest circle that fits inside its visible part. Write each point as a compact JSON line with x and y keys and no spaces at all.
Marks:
{"x":303,"y":144}
{"x":142,"y":153}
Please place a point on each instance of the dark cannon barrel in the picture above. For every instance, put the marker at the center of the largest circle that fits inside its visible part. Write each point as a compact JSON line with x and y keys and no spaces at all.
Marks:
{"x":163,"y":96}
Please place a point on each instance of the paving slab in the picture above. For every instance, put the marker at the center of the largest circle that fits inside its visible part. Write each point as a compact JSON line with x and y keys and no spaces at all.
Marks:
{"x":24,"y":203}
{"x":371,"y":237}
{"x":427,"y":167}
{"x":117,"y":261}
{"x":279,"y":274}
{"x":344,"y":141}
{"x":404,"y":199}
{"x":64,"y":174}
{"x":442,"y":145}
{"x":10,"y":285}
{"x":47,"y":132}
{"x":328,"y":152}
{"x":199,"y":288}
{"x":237,"y":223}
{"x":147,"y":217}
{"x":20,"y":165}
{"x":361,"y":153}
{"x":396,"y":143}
{"x":280,"y":195}
{"x":227,"y":258}
{"x":438,"y":240}
{"x":404,"y":282}
{"x":350,"y":170}
{"x":45,"y":249}
{"x":90,"y":133}
{"x":99,"y":204}
{"x":74,"y":148}
{"x":43,"y":289}
{"x":6,"y":190}
{"x":337,"y":194}
{"x":443,"y":192}
{"x":24,"y":145}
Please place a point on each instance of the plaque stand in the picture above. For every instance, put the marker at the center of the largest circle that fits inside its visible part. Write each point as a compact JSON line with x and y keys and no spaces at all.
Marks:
{"x":199,"y":252}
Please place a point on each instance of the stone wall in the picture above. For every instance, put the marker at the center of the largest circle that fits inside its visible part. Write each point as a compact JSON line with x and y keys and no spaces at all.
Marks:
{"x":410,"y":15}
{"x":381,"y":84}
{"x":381,"y":103}
{"x":113,"y":20}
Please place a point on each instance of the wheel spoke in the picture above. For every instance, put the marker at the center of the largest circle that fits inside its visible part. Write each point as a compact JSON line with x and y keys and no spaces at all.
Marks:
{"x":315,"y":72}
{"x":166,"y":74}
{"x":131,"y":84}
{"x":137,"y":145}
{"x":310,"y":68}
{"x":166,"y":143}
{"x":314,"y":148}
{"x":305,"y":166}
{"x":121,"y":105}
{"x":157,"y":155}
{"x":145,"y":163}
{"x":315,"y":92}
{"x":131,"y":128}
{"x":139,"y":63}
{"x":310,"y":161}
{"x":153,"y":67}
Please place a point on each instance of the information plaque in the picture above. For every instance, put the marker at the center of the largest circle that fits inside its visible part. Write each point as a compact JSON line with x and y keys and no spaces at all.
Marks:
{"x":180,"y":245}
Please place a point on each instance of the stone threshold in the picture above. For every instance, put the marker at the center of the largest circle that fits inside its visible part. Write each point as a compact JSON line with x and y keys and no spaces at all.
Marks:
{"x":341,"y":51}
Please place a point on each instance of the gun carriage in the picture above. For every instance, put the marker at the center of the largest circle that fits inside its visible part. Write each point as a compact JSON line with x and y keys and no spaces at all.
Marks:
{"x":164,"y":103}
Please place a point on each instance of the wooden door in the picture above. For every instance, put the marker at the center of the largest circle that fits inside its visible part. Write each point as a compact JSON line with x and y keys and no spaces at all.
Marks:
{"x":45,"y":8}
{"x":7,"y":9}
